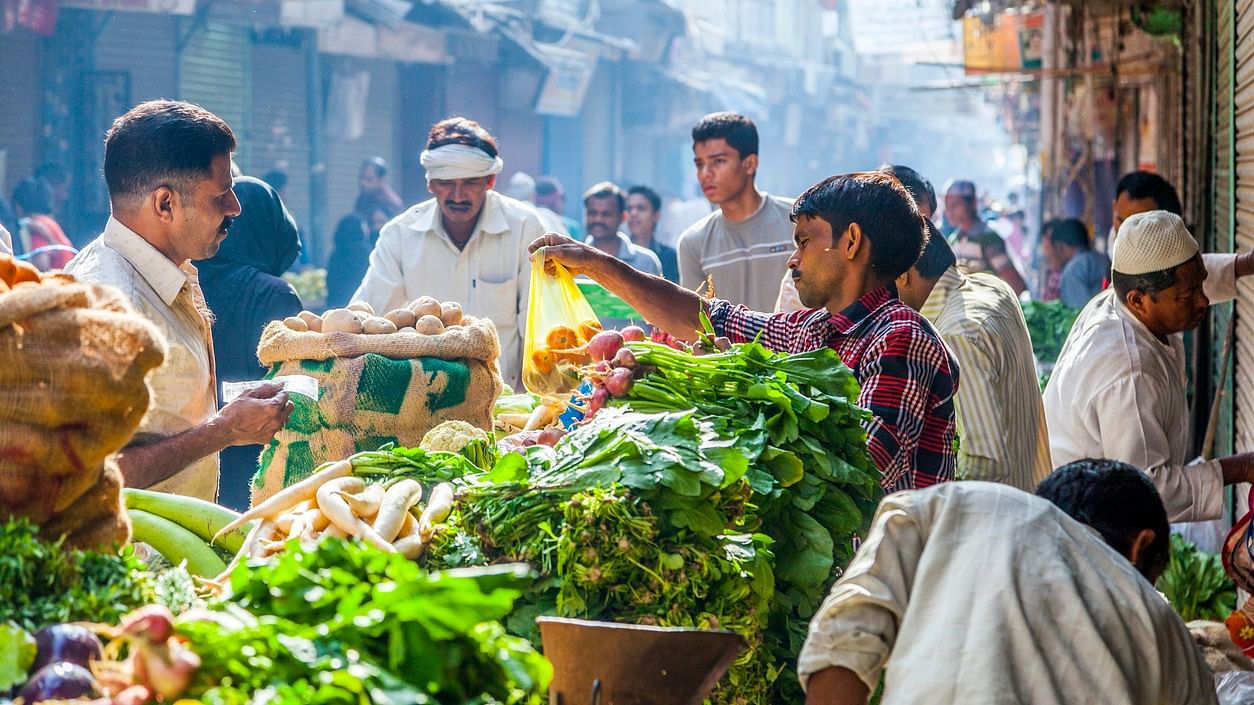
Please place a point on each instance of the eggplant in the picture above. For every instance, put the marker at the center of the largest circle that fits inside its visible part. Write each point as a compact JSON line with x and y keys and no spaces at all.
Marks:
{"x":71,"y":643}
{"x":60,"y":681}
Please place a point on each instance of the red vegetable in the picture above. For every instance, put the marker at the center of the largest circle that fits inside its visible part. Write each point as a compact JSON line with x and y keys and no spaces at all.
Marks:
{"x":619,"y":382}
{"x":633,"y":334}
{"x":625,"y":358}
{"x":599,"y":397}
{"x":605,"y":345}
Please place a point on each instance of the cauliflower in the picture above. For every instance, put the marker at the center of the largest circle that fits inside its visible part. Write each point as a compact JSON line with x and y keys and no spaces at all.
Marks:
{"x":460,"y":437}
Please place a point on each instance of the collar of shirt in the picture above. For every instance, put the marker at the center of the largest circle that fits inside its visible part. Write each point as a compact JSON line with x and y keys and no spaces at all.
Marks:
{"x":492,"y":219}
{"x":854,"y":314}
{"x":1138,"y":328}
{"x":949,"y":282}
{"x":165,"y":277}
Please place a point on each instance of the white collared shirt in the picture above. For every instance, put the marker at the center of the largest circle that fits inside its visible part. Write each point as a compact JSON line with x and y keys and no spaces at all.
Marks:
{"x":1118,"y":392}
{"x":183,"y":388}
{"x":490,"y":277}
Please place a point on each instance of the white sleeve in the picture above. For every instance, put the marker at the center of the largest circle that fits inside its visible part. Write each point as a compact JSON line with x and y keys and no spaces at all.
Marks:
{"x":1127,"y":414}
{"x":1221,"y":277}
{"x":856,"y":625}
{"x":384,"y":284}
{"x":6,"y":241}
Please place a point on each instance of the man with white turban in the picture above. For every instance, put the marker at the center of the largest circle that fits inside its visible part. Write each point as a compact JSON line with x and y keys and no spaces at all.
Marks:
{"x":1118,"y":389}
{"x":468,"y":244}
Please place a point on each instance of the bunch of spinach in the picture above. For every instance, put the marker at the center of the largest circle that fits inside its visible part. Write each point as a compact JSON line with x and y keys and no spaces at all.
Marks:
{"x":344,"y":622}
{"x":1195,"y":583}
{"x":1049,"y":323}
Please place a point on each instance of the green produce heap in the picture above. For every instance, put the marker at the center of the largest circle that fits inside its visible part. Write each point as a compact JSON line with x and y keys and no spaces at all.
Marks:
{"x":723,"y":493}
{"x":1049,"y":323}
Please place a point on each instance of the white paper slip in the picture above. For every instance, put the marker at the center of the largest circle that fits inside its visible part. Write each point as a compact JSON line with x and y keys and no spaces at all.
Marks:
{"x":292,"y":384}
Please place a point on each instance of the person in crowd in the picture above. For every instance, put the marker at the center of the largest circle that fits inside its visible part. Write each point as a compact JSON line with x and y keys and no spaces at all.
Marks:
{"x":277,"y":178}
{"x":58,"y":181}
{"x":644,"y":212}
{"x":1050,"y":275}
{"x":603,"y":207}
{"x":1043,"y":599}
{"x":244,"y":288}
{"x":8,"y":219}
{"x":551,"y":196}
{"x":855,"y":234}
{"x":375,"y":191}
{"x":167,"y":167}
{"x":1140,"y":191}
{"x":1001,"y":421}
{"x":978,"y":247}
{"x":468,"y":244}
{"x":740,"y":246}
{"x":350,"y":258}
{"x":39,"y":236}
{"x":522,"y":187}
{"x":1118,"y":388}
{"x":1083,"y":270}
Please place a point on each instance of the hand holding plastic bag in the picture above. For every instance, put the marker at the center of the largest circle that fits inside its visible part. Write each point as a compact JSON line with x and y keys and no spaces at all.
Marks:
{"x":560,"y":321}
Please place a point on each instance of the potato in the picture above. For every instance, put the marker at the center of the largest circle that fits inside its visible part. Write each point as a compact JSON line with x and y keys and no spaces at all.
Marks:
{"x":361,"y":315}
{"x":377,"y":325}
{"x":429,"y":325}
{"x":311,"y":319}
{"x":425,"y":306}
{"x":451,"y":313}
{"x":341,"y":320}
{"x":361,"y":306}
{"x":402,"y":317}
{"x":296,"y":323}
{"x":407,"y":329}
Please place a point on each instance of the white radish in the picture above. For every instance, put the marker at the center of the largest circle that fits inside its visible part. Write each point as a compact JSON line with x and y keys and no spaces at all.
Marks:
{"x":411,"y":546}
{"x":303,"y":490}
{"x":439,"y":506}
{"x":366,"y":503}
{"x":396,"y":503}
{"x":331,"y":502}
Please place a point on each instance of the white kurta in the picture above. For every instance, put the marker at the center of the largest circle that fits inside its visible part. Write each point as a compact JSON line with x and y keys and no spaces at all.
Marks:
{"x":490,"y":277}
{"x":980,"y":594}
{"x":1118,"y":392}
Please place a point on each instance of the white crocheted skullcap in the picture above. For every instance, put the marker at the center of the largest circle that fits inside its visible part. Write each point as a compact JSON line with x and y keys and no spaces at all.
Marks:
{"x":1153,"y":241}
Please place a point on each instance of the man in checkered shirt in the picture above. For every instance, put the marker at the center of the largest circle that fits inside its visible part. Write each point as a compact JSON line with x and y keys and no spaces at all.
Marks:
{"x":855,"y":234}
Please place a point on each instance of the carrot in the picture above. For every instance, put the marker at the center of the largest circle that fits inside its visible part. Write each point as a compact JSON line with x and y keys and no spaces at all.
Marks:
{"x":24,"y":272}
{"x":331,"y":502}
{"x":396,"y":503}
{"x":303,"y":490}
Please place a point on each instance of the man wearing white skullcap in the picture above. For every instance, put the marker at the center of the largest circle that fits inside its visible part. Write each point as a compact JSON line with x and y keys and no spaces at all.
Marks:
{"x":1118,"y":389}
{"x":468,"y":244}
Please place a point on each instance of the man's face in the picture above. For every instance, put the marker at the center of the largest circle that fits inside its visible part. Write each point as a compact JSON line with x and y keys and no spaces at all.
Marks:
{"x":959,"y":210}
{"x":461,"y":200}
{"x":371,"y":182}
{"x":816,"y":266}
{"x":723,"y":174}
{"x":202,"y":216}
{"x":1178,"y":308}
{"x":642,"y":219}
{"x":554,"y":201}
{"x":601,"y":217}
{"x":1126,"y":207}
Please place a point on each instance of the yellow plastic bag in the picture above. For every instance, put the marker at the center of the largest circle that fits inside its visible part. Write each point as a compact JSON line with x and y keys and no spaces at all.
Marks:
{"x":560,"y":321}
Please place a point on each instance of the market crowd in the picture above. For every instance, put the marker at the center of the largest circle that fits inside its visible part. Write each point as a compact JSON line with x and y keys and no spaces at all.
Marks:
{"x":1029,"y":582}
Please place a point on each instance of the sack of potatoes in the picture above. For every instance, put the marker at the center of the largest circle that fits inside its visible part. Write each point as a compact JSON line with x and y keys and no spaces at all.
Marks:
{"x":425,"y":315}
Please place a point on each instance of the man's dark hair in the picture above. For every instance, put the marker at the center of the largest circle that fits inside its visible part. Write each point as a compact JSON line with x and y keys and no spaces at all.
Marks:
{"x":277,"y":179}
{"x":881,"y":207}
{"x":162,"y":143}
{"x":606,"y":189}
{"x":1146,"y":184}
{"x":737,"y":130}
{"x":1068,"y":231}
{"x":377,"y":165}
{"x":52,"y":172}
{"x":460,"y":130}
{"x":33,"y":196}
{"x":547,"y":185}
{"x":652,"y":196}
{"x":1152,"y":283}
{"x":937,"y":255}
{"x":920,"y":188}
{"x":1116,"y":500}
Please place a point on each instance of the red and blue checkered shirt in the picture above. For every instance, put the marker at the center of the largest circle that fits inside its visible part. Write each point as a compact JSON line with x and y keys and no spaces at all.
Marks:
{"x":908,"y":376}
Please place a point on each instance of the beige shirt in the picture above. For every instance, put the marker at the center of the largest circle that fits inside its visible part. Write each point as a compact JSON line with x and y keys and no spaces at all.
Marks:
{"x":184,"y":388}
{"x":490,"y":277}
{"x":1119,"y":392}
{"x":976,"y":593}
{"x":742,"y":257}
{"x":1001,"y":420}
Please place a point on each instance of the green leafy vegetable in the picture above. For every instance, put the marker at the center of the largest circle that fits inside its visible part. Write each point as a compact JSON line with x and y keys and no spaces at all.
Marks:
{"x":17,"y":653}
{"x":1195,"y":583}
{"x":1049,"y":323}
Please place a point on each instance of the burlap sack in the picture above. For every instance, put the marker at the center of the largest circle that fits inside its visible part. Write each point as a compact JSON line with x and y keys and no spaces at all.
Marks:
{"x":373,"y":390}
{"x":97,"y":519}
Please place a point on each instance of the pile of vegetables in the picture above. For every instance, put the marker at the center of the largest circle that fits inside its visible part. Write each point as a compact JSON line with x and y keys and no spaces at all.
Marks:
{"x":1049,"y":323}
{"x":557,"y":362}
{"x":425,"y":315}
{"x":15,"y":271}
{"x":1195,"y":583}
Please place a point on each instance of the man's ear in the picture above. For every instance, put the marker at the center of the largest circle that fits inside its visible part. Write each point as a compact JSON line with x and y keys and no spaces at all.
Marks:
{"x":1137,"y":301}
{"x":491,"y":181}
{"x":1139,"y":545}
{"x":162,"y":202}
{"x":903,"y":281}
{"x":852,"y":242}
{"x":751,"y":163}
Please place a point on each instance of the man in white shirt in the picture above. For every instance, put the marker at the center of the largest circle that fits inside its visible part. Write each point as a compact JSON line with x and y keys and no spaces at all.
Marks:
{"x":604,"y":208}
{"x":981,"y":594}
{"x":1119,"y":389}
{"x":468,"y":244}
{"x":168,"y":169}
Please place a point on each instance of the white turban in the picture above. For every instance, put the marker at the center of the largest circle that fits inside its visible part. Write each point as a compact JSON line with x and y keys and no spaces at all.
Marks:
{"x":459,"y":161}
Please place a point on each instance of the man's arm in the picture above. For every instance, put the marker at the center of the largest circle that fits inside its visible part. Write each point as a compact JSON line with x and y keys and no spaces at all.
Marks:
{"x":994,"y":249}
{"x":254,"y":417}
{"x":836,"y":686}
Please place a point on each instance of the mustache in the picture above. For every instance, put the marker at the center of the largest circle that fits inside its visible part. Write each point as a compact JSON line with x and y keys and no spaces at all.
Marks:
{"x":226,"y":222}
{"x":465,"y":204}
{"x":795,"y":274}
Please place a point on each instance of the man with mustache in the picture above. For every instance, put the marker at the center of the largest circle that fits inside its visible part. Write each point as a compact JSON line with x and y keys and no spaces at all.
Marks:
{"x":468,"y":244}
{"x":1118,"y":389}
{"x":603,"y":208}
{"x":168,"y":168}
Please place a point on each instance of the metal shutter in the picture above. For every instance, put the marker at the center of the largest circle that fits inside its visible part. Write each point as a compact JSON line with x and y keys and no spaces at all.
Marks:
{"x":1243,"y":140}
{"x":144,"y":45}
{"x":280,"y":125}
{"x":214,"y":72}
{"x":1222,"y":217}
{"x":19,"y":93}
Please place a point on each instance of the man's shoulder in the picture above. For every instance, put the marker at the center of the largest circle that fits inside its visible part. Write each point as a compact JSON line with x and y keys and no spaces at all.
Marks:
{"x":516,"y":212}
{"x":699,"y":231}
{"x":98,"y":263}
{"x":982,"y":298}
